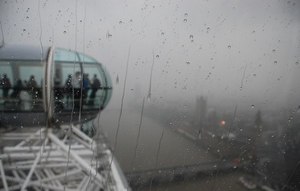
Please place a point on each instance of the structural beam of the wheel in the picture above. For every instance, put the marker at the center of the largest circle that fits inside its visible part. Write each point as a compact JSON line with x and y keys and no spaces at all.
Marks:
{"x":77,"y":158}
{"x":3,"y":176}
{"x":33,"y":166}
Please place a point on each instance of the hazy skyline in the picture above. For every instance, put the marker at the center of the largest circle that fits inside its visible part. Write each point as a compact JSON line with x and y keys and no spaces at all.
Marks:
{"x":244,"y":52}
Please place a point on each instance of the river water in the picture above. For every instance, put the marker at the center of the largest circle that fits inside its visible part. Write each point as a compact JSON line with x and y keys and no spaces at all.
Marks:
{"x":146,"y":153}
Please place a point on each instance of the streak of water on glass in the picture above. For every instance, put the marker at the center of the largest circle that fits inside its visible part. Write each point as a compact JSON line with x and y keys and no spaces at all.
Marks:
{"x":157,"y":154}
{"x":2,"y":34}
{"x":73,"y":92}
{"x":121,"y":108}
{"x":45,"y":80}
{"x":150,"y":81}
{"x":138,"y":135}
{"x":243,"y":77}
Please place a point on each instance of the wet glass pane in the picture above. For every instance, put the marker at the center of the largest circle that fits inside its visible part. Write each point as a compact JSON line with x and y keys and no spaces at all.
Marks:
{"x":21,"y":86}
{"x":65,"y":55}
{"x":189,"y":95}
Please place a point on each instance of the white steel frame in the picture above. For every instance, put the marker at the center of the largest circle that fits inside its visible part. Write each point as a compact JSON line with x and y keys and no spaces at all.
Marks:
{"x":63,"y":159}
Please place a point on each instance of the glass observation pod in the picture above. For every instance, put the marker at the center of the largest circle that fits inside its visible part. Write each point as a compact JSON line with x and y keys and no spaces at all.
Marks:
{"x":50,"y":85}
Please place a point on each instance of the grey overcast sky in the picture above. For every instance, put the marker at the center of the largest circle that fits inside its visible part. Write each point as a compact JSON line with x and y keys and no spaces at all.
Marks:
{"x":231,"y":51}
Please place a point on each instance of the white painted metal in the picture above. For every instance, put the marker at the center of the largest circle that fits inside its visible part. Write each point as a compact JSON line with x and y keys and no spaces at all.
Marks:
{"x":3,"y":176}
{"x":33,"y":166}
{"x":39,"y":160}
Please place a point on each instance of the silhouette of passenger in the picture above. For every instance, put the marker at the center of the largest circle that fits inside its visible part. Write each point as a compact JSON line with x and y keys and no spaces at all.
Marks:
{"x":6,"y":85}
{"x":85,"y":86}
{"x":68,"y":88}
{"x":32,"y":87}
{"x":17,"y":88}
{"x":96,"y":84}
{"x":77,"y":84}
{"x":59,"y":95}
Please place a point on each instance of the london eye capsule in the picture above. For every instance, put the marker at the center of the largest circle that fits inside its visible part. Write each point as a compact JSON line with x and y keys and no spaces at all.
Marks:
{"x":50,"y":85}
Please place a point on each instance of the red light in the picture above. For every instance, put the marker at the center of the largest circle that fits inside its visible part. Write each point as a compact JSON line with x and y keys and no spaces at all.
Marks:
{"x":223,"y":122}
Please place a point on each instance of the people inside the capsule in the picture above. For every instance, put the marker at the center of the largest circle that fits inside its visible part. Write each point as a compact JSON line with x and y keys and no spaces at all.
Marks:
{"x":5,"y":85}
{"x":68,"y":89}
{"x":58,"y":95}
{"x":96,"y":84}
{"x":85,"y":87}
{"x":32,"y":87}
{"x":76,"y":83}
{"x":17,"y":88}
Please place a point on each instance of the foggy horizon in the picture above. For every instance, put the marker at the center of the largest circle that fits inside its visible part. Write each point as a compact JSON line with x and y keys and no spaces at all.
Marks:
{"x":198,"y":48}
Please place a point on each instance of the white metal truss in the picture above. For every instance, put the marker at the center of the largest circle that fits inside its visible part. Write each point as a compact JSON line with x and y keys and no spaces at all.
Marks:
{"x":57,"y":159}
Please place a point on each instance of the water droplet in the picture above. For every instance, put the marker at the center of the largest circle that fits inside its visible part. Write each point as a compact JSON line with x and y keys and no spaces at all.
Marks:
{"x":254,"y":74}
{"x":252,"y":106}
{"x":27,"y":17}
{"x":21,"y":126}
{"x":187,"y":62}
{"x":297,"y":63}
{"x":162,"y":33}
{"x":108,"y":35}
{"x":117,"y":79}
{"x":274,"y":50}
{"x":157,"y":56}
{"x":191,"y":36}
{"x":65,"y":32}
{"x":185,"y":20}
{"x":186,"y":14}
{"x":229,"y":46}
{"x":120,"y":22}
{"x":275,"y":62}
{"x":24,"y":30}
{"x":15,"y":117}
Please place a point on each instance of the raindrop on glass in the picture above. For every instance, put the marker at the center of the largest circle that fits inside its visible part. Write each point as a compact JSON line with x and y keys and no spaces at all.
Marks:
{"x":191,"y":37}
{"x":185,"y":20}
{"x":157,"y":56}
{"x":275,"y":62}
{"x":252,"y":106}
{"x":297,"y":63}
{"x":65,"y":32}
{"x":186,"y":14}
{"x":229,"y":46}
{"x":117,"y":79}
{"x":187,"y":62}
{"x":108,"y":35}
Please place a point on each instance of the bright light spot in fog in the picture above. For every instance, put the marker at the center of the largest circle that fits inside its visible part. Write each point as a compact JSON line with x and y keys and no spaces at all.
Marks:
{"x":222,"y":123}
